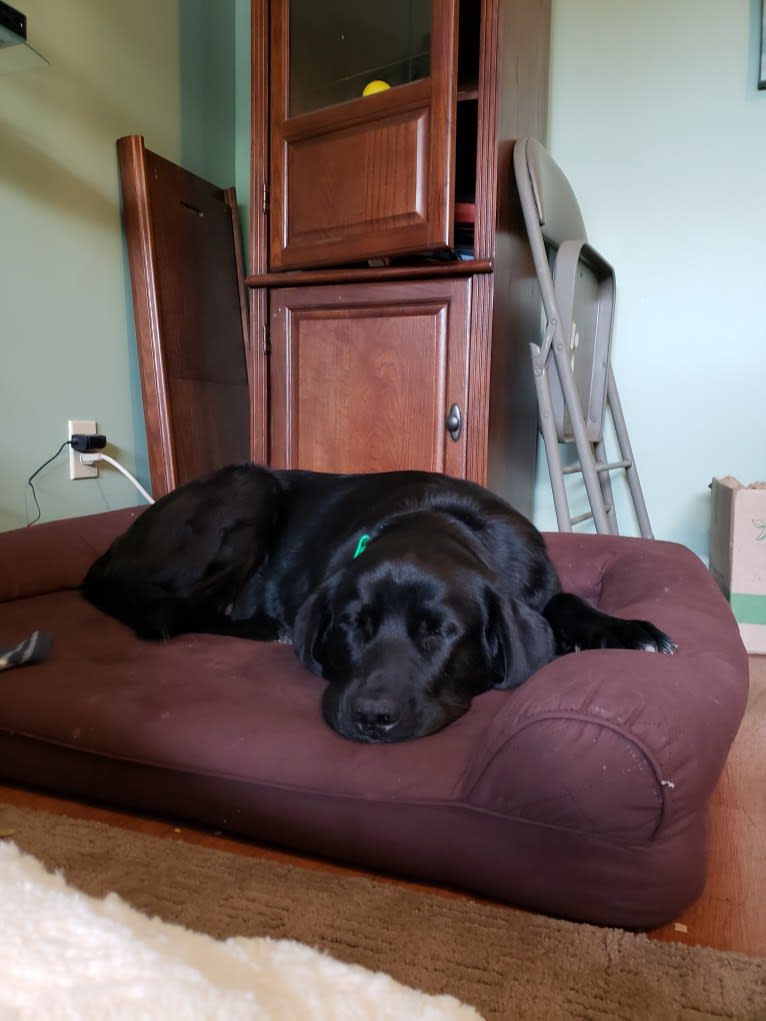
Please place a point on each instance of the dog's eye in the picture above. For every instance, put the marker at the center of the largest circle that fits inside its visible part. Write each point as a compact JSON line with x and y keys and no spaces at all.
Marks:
{"x":362,"y":622}
{"x":429,"y":630}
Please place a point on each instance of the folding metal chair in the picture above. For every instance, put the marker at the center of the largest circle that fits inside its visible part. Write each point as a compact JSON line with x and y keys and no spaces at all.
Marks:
{"x":572,"y":368}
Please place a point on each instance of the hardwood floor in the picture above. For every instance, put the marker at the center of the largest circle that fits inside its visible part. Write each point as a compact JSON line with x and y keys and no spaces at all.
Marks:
{"x":730,"y":914}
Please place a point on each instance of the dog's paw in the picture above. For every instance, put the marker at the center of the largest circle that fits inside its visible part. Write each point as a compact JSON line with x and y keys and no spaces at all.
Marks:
{"x":643,"y":636}
{"x":578,"y":626}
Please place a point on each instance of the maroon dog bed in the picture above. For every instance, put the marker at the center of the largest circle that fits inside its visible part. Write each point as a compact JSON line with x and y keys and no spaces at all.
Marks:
{"x":582,"y":793}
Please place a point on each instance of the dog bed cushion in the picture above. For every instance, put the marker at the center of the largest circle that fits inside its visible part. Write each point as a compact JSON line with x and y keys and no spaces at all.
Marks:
{"x":583,"y":793}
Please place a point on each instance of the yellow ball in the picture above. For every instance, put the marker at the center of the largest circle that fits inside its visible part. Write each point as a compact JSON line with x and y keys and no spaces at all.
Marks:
{"x":376,"y":85}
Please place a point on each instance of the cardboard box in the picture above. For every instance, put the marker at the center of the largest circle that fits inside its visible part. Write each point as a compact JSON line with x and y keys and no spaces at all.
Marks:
{"x":738,"y":554}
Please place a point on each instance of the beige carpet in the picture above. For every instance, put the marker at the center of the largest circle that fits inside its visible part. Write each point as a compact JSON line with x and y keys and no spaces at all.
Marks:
{"x":507,"y":964}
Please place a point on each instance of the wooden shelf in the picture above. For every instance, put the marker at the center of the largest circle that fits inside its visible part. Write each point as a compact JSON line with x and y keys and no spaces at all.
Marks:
{"x":370,"y":274}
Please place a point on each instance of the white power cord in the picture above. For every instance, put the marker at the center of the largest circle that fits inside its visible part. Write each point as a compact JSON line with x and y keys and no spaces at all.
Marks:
{"x":91,"y":459}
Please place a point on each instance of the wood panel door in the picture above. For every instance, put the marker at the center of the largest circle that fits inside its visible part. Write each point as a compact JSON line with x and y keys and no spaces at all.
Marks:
{"x":357,"y":176}
{"x":188,"y":299}
{"x":364,"y":376}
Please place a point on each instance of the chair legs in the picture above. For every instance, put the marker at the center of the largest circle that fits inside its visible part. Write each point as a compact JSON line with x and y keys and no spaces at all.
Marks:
{"x":626,"y":453}
{"x":592,"y":462}
{"x":577,"y":287}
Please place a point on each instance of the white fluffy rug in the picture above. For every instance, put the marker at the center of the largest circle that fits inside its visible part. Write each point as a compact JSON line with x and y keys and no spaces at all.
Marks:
{"x":64,"y":955}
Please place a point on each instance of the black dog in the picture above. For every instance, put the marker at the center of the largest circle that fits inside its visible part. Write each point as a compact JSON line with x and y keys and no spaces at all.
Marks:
{"x":409,"y":592}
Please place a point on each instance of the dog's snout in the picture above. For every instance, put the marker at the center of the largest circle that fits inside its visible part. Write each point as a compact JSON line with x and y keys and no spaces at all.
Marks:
{"x":375,"y":714}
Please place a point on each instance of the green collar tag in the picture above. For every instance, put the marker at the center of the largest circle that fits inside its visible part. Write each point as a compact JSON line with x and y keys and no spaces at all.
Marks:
{"x":361,"y":546}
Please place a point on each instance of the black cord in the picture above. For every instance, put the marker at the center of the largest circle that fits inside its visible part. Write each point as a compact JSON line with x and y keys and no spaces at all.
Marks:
{"x":66,"y":443}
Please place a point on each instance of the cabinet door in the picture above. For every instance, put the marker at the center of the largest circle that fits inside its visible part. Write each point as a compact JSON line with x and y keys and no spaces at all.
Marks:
{"x":363,"y":376}
{"x":356,"y":176}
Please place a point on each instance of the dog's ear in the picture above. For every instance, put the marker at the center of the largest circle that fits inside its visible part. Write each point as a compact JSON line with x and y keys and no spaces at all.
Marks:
{"x":312,"y":625}
{"x":519,"y":639}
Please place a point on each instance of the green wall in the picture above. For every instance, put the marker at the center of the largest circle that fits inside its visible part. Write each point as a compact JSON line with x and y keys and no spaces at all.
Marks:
{"x":241,"y":85}
{"x":656,"y":118}
{"x":163,"y":70}
{"x":207,"y":89}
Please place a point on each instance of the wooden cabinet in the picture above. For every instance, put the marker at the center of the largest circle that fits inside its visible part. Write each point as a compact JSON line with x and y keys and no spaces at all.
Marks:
{"x":391,"y":285}
{"x":363,"y":376}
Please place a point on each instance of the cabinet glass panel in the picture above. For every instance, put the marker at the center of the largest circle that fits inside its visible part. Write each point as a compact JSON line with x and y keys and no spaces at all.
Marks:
{"x":340,"y":48}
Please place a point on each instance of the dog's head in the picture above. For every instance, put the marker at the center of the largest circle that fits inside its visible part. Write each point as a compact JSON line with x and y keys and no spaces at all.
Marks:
{"x":406,"y":640}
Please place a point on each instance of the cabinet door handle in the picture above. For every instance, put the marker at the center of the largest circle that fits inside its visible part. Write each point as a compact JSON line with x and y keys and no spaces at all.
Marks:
{"x":454,"y":422}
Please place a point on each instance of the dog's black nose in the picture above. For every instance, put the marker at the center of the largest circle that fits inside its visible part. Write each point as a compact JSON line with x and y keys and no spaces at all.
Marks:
{"x":375,"y":716}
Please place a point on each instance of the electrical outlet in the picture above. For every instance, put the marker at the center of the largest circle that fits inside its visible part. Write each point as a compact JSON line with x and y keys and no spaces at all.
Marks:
{"x":78,"y":470}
